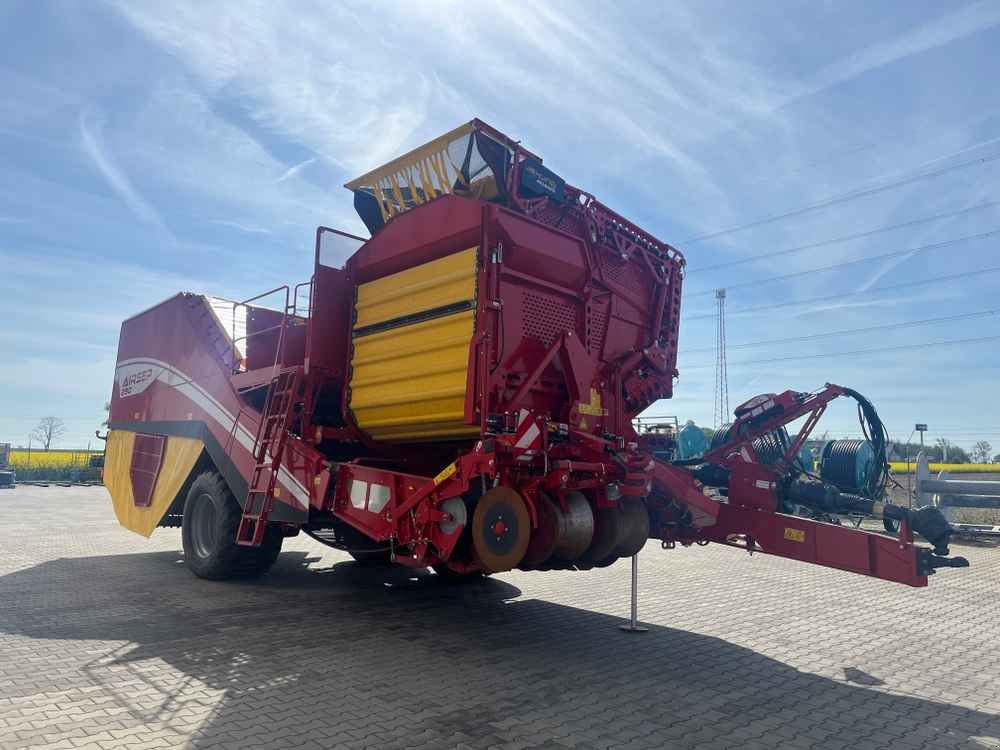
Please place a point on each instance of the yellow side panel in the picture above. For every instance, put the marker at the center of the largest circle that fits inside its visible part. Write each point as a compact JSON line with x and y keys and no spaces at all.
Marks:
{"x":436,"y":284}
{"x":408,"y":383}
{"x":179,"y":457}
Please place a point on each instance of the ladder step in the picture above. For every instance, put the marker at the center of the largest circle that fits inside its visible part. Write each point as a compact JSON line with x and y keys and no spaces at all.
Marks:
{"x":268,"y":451}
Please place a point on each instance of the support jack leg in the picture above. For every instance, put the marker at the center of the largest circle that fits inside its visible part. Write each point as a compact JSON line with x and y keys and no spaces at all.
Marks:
{"x":633,"y":626}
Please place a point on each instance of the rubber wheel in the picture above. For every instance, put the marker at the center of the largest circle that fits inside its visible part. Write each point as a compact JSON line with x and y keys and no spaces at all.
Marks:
{"x":208,"y":532}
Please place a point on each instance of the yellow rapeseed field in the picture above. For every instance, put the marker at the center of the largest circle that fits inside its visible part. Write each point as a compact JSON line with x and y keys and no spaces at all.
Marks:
{"x":899,"y":467}
{"x":22,"y":458}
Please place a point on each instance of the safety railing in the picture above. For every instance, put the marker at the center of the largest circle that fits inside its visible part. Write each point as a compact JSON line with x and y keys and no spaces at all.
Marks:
{"x":293,"y":310}
{"x":657,"y":424}
{"x":947,"y":493}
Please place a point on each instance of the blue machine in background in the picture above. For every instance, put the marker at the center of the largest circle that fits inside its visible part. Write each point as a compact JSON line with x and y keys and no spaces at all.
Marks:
{"x":691,"y":441}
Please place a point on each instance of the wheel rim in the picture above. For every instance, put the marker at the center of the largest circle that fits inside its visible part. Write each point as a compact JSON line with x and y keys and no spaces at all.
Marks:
{"x":501,"y":528}
{"x":203,"y":526}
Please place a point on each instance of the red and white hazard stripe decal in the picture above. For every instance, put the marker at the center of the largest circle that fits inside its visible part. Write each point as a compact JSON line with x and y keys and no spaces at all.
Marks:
{"x":527,"y":436}
{"x":170,"y":376}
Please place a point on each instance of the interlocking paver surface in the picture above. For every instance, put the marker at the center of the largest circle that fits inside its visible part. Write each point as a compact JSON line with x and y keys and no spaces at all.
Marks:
{"x":106,"y":641}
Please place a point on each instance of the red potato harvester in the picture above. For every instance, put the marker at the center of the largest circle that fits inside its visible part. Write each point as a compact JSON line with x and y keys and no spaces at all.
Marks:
{"x":459,"y":390}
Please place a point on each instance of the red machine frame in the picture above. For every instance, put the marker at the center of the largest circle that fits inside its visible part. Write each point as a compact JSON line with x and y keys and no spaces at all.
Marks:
{"x":554,"y":416}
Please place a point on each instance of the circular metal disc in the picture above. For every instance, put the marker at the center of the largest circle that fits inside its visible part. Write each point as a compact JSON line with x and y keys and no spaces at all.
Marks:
{"x":634,"y":527}
{"x":576,"y":527}
{"x":545,"y":535}
{"x":607,"y":561}
{"x":501,"y":529}
{"x":607,"y":534}
{"x":455,"y":507}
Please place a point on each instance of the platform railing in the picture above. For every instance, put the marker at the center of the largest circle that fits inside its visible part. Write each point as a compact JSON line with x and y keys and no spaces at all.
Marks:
{"x":947,"y":493}
{"x":293,"y":309}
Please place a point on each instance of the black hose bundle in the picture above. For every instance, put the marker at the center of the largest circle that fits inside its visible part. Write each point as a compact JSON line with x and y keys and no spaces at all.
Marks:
{"x":769,"y":447}
{"x":875,"y":432}
{"x":847,"y":464}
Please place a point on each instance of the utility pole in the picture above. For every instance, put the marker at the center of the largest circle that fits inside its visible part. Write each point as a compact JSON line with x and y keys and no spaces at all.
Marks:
{"x":721,"y":407}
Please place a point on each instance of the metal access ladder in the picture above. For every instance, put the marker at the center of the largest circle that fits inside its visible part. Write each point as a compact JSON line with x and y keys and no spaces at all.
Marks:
{"x":268,"y":450}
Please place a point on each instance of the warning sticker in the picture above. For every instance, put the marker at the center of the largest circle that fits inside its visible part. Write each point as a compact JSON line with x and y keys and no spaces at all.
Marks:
{"x":594,"y":408}
{"x":448,"y":471}
{"x":795,"y":535}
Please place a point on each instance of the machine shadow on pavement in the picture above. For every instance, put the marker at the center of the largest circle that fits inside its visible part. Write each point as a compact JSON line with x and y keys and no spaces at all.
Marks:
{"x":390,"y":657}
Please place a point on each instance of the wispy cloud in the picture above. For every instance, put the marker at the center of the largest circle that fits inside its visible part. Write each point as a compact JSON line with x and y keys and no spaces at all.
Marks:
{"x":242,"y":226}
{"x":683,"y":116}
{"x":294,"y":170}
{"x":91,"y":130}
{"x":937,"y":33}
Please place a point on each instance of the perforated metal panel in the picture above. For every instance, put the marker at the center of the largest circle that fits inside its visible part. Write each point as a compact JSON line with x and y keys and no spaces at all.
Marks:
{"x":546,"y":317}
{"x":597,"y":325}
{"x":626,"y":273}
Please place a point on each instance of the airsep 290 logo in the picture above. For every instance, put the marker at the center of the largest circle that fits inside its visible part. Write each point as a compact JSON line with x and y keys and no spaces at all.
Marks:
{"x":135,"y":378}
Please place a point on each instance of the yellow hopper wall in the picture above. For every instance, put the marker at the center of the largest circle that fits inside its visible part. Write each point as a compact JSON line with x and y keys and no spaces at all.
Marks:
{"x":179,"y":457}
{"x":409,"y":368}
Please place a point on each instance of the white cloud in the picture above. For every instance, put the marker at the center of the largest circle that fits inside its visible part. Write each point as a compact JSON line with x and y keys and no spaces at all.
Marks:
{"x":351,"y":97}
{"x":90,"y":137}
{"x":242,"y":226}
{"x":937,"y":33}
{"x":295,"y":169}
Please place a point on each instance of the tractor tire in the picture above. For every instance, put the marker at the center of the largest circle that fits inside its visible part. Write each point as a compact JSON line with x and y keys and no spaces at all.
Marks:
{"x":208,"y":532}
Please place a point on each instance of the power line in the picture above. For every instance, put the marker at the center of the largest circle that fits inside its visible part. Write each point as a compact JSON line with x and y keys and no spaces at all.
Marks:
{"x":845,"y":197}
{"x":848,"y":331}
{"x":11,"y":417}
{"x":721,"y":377}
{"x":964,"y":429}
{"x":842,"y":295}
{"x":879,"y":350}
{"x":845,"y":238}
{"x":855,"y":262}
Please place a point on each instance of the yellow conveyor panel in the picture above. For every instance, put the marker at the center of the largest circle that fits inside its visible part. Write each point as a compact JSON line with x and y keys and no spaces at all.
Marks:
{"x":179,"y":457}
{"x":412,"y":332}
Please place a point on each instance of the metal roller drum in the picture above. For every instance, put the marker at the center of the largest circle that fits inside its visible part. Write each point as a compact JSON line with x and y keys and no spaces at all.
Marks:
{"x":454,"y":507}
{"x":576,"y":527}
{"x":634,"y":523}
{"x":607,"y":534}
{"x":545,"y":535}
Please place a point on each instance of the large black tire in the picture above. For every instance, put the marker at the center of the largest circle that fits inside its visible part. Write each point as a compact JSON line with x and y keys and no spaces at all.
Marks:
{"x":208,"y":532}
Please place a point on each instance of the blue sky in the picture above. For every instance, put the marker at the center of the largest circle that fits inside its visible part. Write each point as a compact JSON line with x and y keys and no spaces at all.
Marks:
{"x":149,"y":148}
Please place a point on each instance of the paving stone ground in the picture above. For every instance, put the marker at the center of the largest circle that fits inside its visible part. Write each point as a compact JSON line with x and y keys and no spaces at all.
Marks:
{"x":107,"y":641}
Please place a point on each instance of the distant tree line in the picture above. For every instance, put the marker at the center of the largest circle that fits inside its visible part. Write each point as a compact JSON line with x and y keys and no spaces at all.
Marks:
{"x":941,"y":451}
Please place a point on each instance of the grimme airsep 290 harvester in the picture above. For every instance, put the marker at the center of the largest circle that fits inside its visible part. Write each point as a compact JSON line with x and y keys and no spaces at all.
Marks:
{"x":458,"y":392}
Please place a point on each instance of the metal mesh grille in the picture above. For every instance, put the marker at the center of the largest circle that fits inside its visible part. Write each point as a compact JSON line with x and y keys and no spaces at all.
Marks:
{"x":567,"y":218}
{"x":546,"y":317}
{"x":597,"y":326}
{"x":624,"y":272}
